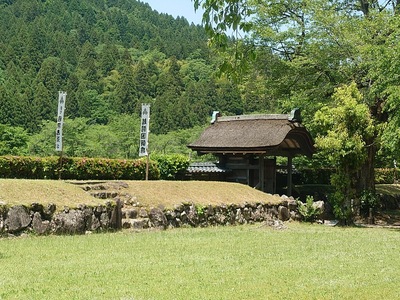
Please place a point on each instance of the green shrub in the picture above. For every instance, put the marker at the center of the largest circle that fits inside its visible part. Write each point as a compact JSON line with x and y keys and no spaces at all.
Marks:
{"x":308,"y":210}
{"x":21,"y":167}
{"x":315,"y":176}
{"x":323,"y":175}
{"x":75,"y":168}
{"x":171,"y":166}
{"x":386,"y":175}
{"x":368,"y":200}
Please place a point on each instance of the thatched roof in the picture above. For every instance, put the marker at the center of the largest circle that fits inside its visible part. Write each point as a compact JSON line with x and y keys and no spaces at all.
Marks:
{"x":263,"y":134}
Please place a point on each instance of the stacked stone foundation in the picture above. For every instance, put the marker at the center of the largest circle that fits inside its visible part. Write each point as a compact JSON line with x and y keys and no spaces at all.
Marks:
{"x":115,"y":215}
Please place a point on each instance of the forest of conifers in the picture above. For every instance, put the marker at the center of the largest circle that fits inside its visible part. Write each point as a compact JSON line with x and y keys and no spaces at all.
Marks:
{"x":109,"y":56}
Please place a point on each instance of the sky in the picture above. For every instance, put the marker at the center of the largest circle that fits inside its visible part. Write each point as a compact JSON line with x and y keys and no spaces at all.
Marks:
{"x":183,"y":8}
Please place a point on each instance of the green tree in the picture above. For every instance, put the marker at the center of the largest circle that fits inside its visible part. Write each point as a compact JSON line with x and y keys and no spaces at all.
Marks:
{"x":318,"y":46}
{"x":345,"y":131}
{"x":145,"y":79}
{"x":51,"y":78}
{"x":170,"y":79}
{"x":13,"y":140}
{"x":126,"y":129}
{"x":109,"y":57}
{"x":6,"y":105}
{"x":202,"y":98}
{"x":126,"y":100}
{"x":228,"y":98}
{"x":174,"y":142}
{"x":168,"y":107}
{"x":87,"y":69}
{"x":72,"y":102}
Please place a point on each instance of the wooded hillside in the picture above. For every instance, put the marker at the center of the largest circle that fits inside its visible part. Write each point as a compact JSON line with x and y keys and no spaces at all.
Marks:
{"x":109,"y":56}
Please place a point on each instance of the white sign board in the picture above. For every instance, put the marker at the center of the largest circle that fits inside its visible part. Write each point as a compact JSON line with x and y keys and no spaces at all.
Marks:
{"x":62,"y":96}
{"x":144,"y":130}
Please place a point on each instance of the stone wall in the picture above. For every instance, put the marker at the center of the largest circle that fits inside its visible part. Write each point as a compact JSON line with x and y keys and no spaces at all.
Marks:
{"x":115,"y":215}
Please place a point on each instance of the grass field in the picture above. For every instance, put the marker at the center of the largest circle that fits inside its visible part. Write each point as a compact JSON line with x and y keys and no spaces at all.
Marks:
{"x":147,"y":193}
{"x":243,"y":262}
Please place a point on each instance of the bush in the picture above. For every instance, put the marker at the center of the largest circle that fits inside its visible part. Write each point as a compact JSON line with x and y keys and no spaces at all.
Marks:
{"x":369,"y":200}
{"x":75,"y":168}
{"x":315,"y":176}
{"x":171,"y":166}
{"x":27,"y":167}
{"x":386,"y":175}
{"x":323,"y":175}
{"x":308,"y":210}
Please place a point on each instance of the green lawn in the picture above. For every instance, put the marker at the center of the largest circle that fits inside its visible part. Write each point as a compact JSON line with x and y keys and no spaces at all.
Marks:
{"x":242,"y":262}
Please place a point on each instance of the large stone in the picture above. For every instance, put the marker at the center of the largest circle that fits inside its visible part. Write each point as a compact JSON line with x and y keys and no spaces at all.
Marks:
{"x":131,"y":213}
{"x":294,"y":215}
{"x":18,"y":218}
{"x":273,"y":212}
{"x":158,"y":218}
{"x":232,"y":217}
{"x":99,"y":210}
{"x":292,"y":204}
{"x":220,"y":218}
{"x":37,"y":207}
{"x":104,"y":220}
{"x":143,"y":213}
{"x":283,"y":213}
{"x":192,"y":215}
{"x":319,"y":206}
{"x":239,"y":217}
{"x":3,"y":216}
{"x":95,"y":224}
{"x":183,"y":217}
{"x":246,"y":213}
{"x":209,"y":211}
{"x":116,"y":216}
{"x":71,"y":222}
{"x":39,"y":226}
{"x":257,"y":214}
{"x":48,"y":211}
{"x":140,"y":223}
{"x":126,"y":223}
{"x":170,"y":215}
{"x":88,"y":217}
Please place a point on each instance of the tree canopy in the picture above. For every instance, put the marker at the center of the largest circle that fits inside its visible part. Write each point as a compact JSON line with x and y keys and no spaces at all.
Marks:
{"x":110,"y":56}
{"x":311,"y":53}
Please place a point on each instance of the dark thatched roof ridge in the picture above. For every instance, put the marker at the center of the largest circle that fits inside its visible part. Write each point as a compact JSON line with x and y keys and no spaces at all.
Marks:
{"x":264,"y":134}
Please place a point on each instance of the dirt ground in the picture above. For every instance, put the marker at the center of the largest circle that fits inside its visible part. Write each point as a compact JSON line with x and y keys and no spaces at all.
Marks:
{"x":387,"y":218}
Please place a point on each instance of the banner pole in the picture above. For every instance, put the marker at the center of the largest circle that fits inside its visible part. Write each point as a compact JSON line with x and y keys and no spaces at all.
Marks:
{"x":144,"y":136}
{"x":60,"y":165}
{"x":147,"y":166}
{"x":59,"y":131}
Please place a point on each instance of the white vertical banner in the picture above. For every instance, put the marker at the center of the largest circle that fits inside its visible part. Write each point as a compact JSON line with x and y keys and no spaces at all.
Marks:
{"x":62,"y":96}
{"x":144,"y":130}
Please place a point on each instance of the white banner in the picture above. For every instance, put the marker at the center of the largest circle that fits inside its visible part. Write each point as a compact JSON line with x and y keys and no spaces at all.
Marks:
{"x":59,"y":139}
{"x":144,"y":130}
{"x":62,"y":96}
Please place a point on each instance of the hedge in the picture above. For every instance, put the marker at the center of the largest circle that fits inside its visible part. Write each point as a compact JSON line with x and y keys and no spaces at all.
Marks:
{"x":75,"y":168}
{"x":322,"y":176}
{"x":171,"y":166}
{"x":160,"y":167}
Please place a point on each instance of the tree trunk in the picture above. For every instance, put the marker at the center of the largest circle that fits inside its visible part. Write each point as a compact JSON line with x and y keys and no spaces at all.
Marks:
{"x":365,"y":180}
